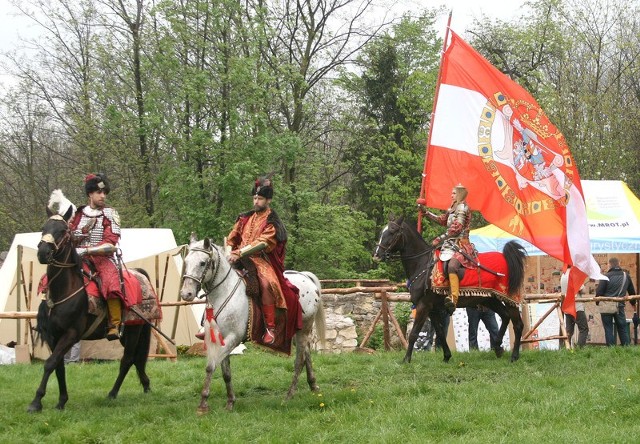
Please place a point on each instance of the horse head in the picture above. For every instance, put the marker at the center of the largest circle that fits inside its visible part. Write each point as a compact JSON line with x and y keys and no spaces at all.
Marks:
{"x":56,"y":237}
{"x":391,"y":239}
{"x":200,"y":264}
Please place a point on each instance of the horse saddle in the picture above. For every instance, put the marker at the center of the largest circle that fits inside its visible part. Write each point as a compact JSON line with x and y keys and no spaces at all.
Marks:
{"x":247,"y":269}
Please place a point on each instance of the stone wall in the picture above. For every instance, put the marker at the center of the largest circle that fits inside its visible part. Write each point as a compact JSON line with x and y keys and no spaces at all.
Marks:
{"x":348,"y":318}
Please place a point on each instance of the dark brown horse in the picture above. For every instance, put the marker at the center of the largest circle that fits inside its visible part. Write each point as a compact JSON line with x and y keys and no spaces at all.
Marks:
{"x":64,"y":319}
{"x":418,"y":261}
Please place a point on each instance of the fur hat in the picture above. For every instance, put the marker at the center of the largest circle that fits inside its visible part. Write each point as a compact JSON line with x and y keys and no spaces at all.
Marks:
{"x":263,"y":187}
{"x":95,"y":182}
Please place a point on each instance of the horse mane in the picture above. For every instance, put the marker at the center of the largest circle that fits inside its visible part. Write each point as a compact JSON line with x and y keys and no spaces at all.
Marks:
{"x":413,"y":225}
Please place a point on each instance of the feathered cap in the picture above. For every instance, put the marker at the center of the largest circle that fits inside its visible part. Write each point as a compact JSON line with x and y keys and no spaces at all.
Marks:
{"x":59,"y":204}
{"x":263,"y":187}
{"x":95,"y":182}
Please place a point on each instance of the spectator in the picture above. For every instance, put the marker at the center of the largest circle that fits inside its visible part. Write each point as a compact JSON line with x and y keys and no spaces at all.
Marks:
{"x":73,"y":355}
{"x":426,"y":336}
{"x":488,"y":317}
{"x":581,"y":317}
{"x":618,"y":285}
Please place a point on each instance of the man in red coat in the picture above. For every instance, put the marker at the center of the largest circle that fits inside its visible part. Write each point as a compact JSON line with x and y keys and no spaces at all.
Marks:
{"x":261,"y":235}
{"x":96,"y":226}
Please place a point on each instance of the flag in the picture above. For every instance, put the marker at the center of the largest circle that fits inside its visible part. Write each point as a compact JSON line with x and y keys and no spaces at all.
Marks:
{"x":489,"y":134}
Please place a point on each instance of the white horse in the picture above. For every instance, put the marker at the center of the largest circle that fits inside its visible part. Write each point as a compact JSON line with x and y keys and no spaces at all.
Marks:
{"x":206,"y":267}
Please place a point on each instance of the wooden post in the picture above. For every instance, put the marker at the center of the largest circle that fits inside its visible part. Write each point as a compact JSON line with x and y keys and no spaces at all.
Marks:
{"x":385,"y":321}
{"x":19,"y":286}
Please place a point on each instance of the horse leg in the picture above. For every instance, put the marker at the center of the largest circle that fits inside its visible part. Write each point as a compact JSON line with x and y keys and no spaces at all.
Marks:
{"x":204,"y":395}
{"x":225,"y":365}
{"x":518,"y":327}
{"x":438,"y":323}
{"x":501,"y":310}
{"x":311,"y":376}
{"x":141,"y":356}
{"x":301,"y":343}
{"x":130,"y":337}
{"x":421,"y":317}
{"x":54,"y":362}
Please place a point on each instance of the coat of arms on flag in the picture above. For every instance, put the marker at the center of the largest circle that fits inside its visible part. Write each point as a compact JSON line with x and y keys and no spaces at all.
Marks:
{"x":491,"y":135}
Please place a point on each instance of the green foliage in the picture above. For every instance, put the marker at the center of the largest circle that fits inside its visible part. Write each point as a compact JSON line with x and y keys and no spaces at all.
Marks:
{"x":402,"y":312}
{"x":331,"y":241}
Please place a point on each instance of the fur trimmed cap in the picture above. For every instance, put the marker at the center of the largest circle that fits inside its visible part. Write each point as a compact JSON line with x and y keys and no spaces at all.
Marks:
{"x":263,"y":187}
{"x":95,"y":182}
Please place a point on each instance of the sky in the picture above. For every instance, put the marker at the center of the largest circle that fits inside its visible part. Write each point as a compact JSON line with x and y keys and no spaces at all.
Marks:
{"x":465,"y":12}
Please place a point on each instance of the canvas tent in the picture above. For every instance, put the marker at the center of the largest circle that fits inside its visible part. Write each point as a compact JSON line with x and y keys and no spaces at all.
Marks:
{"x":153,"y":249}
{"x":613,"y":214}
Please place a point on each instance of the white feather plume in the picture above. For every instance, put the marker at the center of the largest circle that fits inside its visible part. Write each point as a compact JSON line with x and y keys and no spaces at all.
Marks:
{"x":59,"y":204}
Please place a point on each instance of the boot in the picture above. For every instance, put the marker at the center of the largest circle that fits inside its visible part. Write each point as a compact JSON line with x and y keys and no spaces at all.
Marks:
{"x":451,"y":302}
{"x":200,"y":334}
{"x":269,"y":312}
{"x":115,"y":318}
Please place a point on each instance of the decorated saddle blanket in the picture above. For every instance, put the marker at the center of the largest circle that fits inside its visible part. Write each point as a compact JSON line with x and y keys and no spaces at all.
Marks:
{"x":477,"y":281}
{"x":137,"y":293}
{"x":256,"y":329}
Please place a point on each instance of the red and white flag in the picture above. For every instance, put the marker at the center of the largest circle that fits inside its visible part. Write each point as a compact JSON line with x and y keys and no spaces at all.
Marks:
{"x":489,"y":134}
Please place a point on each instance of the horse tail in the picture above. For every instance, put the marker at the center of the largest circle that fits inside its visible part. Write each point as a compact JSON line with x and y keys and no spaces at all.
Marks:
{"x":319,"y":318}
{"x":43,"y":332}
{"x":515,"y":254}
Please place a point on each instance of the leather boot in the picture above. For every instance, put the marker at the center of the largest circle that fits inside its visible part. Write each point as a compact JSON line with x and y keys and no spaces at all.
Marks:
{"x":454,"y":285}
{"x":269,"y":313}
{"x":115,"y":318}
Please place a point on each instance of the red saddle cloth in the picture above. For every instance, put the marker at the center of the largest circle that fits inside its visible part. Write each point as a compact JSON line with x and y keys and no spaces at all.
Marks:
{"x":476,"y":281}
{"x":135,"y":293}
{"x":288,"y":321}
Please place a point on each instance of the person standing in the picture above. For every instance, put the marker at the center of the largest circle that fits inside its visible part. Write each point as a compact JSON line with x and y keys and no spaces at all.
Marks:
{"x":96,"y":228}
{"x":581,"y":317}
{"x":260,"y":235}
{"x":488,"y":317}
{"x":456,"y":250}
{"x":618,"y":285}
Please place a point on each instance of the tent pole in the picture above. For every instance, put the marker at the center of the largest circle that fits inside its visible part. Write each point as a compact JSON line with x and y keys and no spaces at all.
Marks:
{"x":19,"y":287}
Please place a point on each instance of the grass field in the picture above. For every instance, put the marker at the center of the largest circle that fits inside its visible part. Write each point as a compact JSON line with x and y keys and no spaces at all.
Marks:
{"x":590,"y":395}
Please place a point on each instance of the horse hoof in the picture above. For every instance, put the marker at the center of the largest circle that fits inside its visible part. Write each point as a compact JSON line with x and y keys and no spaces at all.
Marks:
{"x":202,"y":411}
{"x":34,"y":409}
{"x":112,"y":396}
{"x":499,"y":352}
{"x":229,"y":406}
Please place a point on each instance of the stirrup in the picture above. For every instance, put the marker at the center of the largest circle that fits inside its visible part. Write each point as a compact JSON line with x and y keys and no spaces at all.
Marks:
{"x":449,"y":305}
{"x":269,"y":337}
{"x":113,"y":334}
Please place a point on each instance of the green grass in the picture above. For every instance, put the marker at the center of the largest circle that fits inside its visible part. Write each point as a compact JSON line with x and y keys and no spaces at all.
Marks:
{"x":590,"y":395}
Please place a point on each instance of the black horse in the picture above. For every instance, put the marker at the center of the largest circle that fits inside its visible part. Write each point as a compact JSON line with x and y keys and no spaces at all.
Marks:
{"x":418,"y":262}
{"x":63,"y":319}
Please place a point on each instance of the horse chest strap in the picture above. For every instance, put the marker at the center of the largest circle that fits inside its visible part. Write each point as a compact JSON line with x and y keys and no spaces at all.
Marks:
{"x":50,"y":303}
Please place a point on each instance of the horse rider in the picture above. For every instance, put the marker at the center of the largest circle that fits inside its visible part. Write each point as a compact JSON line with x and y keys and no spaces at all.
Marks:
{"x":456,"y":251}
{"x":260,"y":235}
{"x":96,"y":228}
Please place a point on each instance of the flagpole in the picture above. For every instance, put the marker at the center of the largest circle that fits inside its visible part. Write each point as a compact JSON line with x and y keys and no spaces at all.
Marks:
{"x":422,"y":199}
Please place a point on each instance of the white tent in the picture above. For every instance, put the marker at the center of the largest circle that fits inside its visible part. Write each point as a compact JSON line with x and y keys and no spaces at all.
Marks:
{"x":613,"y":214}
{"x":153,"y":249}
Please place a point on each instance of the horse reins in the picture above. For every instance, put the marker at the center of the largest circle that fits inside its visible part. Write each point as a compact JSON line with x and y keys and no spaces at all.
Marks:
{"x":49,"y":239}
{"x":209,"y":265}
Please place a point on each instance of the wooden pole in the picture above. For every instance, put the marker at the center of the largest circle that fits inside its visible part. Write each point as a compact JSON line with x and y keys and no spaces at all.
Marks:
{"x":385,"y":321}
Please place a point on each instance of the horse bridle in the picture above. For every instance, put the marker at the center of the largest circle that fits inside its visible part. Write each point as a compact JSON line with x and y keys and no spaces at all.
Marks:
{"x":208,"y":266}
{"x":399,"y":234}
{"x":49,"y":239}
{"x":394,"y":240}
